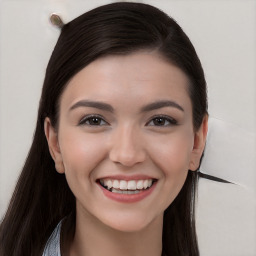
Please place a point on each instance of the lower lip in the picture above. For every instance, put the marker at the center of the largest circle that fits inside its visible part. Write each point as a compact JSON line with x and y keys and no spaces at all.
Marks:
{"x":128,"y":198}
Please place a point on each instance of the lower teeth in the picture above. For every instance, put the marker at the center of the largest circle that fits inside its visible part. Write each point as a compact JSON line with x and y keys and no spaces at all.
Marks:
{"x":129,"y":192}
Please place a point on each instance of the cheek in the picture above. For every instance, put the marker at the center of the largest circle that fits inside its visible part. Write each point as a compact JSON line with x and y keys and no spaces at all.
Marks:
{"x":81,"y":152}
{"x":173,"y":152}
{"x":172,"y":156}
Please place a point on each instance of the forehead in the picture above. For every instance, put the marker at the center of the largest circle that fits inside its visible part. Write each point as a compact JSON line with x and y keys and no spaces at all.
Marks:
{"x":138,"y":77}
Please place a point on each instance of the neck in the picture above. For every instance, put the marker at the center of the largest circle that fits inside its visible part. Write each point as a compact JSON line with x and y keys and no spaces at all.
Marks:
{"x":93,"y":238}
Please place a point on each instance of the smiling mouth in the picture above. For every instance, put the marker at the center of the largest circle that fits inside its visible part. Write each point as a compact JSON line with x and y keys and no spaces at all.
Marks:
{"x":126,"y":187}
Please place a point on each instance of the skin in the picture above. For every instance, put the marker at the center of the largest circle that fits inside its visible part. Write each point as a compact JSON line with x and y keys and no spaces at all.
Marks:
{"x":126,"y":141}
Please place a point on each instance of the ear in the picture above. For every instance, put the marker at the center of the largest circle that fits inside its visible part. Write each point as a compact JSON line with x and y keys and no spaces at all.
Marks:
{"x":53,"y":144}
{"x":199,"y":144}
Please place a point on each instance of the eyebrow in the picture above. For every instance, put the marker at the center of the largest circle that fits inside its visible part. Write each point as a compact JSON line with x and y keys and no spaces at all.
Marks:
{"x":109,"y":108}
{"x":161,"y":104}
{"x":93,"y":104}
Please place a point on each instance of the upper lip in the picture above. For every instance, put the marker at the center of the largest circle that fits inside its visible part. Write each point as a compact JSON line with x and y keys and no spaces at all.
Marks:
{"x":127,"y":178}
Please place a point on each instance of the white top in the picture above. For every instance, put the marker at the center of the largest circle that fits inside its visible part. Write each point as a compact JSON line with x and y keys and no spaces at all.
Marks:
{"x":52,"y":247}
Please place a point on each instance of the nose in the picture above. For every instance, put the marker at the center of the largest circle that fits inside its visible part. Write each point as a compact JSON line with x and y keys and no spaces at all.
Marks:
{"x":127,"y":147}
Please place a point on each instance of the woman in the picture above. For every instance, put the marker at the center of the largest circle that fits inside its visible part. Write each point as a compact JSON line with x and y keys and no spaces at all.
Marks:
{"x":120,"y":133}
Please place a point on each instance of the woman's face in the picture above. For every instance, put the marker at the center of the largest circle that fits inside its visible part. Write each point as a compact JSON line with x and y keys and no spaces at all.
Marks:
{"x":125,"y":139}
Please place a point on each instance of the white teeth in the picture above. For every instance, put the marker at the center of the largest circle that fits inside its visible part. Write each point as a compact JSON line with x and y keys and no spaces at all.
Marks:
{"x":133,"y":192}
{"x":116,"y":184}
{"x":132,"y":185}
{"x":126,"y":186}
{"x":140,"y":184}
{"x":123,"y":184}
{"x":125,"y":191}
{"x":145,"y":184}
{"x":109,"y":184}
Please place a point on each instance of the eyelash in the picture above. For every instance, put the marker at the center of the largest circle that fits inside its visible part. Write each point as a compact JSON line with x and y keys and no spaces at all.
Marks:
{"x":163,"y":118}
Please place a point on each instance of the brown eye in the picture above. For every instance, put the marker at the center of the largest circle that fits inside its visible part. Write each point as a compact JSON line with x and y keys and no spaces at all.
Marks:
{"x":93,"y":121}
{"x":159,"y":121}
{"x":162,"y":121}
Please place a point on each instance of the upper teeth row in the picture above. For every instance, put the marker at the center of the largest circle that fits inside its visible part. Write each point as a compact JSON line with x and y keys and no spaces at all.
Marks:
{"x":124,"y":185}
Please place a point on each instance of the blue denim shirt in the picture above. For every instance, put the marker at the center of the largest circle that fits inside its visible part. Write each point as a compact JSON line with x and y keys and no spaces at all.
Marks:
{"x":52,"y":247}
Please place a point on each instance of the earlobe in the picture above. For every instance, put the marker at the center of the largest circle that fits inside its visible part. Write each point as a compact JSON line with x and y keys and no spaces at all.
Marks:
{"x":53,"y":144}
{"x":199,"y":144}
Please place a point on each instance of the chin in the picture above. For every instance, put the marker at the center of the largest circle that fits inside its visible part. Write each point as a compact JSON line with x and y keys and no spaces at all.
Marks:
{"x":130,"y":223}
{"x":128,"y":227}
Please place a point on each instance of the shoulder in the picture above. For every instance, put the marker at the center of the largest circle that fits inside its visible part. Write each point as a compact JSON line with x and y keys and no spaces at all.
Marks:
{"x":52,"y":247}
{"x":225,"y":219}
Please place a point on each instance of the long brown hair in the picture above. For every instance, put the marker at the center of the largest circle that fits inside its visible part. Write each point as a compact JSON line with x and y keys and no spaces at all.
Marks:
{"x":42,"y":196}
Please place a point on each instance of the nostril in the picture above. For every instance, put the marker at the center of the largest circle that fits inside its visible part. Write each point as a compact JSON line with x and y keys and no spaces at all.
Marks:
{"x":127,"y":146}
{"x":126,"y":158}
